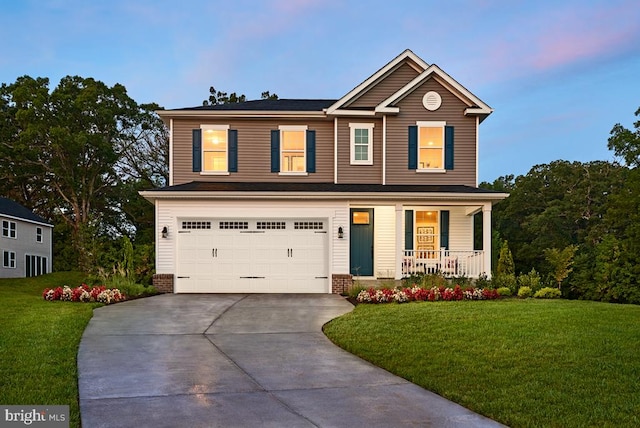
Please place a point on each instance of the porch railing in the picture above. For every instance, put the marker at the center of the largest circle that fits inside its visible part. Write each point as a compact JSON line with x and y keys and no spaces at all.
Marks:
{"x":449,"y":263}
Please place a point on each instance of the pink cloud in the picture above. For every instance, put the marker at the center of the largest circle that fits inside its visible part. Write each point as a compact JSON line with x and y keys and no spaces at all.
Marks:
{"x":558,"y":37}
{"x":576,"y":35}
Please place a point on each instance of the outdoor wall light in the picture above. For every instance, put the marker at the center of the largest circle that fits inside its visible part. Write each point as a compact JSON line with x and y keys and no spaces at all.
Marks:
{"x":340,"y":232}
{"x":165,"y":232}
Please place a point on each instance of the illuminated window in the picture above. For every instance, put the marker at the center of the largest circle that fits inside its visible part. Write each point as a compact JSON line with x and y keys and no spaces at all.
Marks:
{"x":426,"y":233}
{"x":214,"y":148}
{"x":292,"y":148}
{"x":431,"y":145}
{"x":360,"y":217}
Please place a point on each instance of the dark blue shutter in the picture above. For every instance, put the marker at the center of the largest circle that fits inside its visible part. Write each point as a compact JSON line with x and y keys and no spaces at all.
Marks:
{"x":197,"y":150}
{"x":444,"y":229}
{"x":275,"y":151}
{"x":232,"y":136}
{"x":408,"y":230}
{"x":448,"y":147}
{"x":413,"y":147}
{"x":311,"y":151}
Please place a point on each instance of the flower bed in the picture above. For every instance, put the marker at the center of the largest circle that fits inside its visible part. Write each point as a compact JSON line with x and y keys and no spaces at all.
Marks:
{"x":415,"y":293}
{"x":84,"y":293}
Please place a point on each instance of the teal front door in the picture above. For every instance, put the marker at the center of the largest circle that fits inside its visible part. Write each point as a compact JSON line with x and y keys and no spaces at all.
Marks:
{"x":361,"y":248}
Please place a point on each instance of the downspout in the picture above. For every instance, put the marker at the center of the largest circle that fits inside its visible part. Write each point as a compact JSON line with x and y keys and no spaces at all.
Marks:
{"x":335,"y":150}
{"x":170,"y":153}
{"x":477,"y":146}
{"x":384,"y":149}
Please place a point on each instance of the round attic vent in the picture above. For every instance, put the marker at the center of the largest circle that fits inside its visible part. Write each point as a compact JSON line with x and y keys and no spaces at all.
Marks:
{"x":432,"y":101}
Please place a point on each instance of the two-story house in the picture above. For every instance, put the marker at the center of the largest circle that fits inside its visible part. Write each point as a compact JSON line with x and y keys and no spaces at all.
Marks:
{"x":301,"y":195}
{"x":25,"y":241}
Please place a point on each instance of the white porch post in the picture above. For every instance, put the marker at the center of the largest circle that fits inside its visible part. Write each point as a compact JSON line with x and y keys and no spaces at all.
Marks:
{"x":399,"y":239}
{"x":486,"y":237}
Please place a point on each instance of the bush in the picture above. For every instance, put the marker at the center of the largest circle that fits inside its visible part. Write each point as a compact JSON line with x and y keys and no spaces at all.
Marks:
{"x":531,"y":280}
{"x":483,"y":281}
{"x":506,"y":280}
{"x":504,"y":291}
{"x":524,"y":292}
{"x":547,"y":293}
{"x":355,"y":289}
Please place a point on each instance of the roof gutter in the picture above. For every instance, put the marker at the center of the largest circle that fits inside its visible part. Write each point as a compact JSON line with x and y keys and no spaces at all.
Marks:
{"x":153,"y":195}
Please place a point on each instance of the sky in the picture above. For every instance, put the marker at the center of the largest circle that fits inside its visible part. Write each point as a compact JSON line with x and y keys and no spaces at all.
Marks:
{"x":558,"y":73}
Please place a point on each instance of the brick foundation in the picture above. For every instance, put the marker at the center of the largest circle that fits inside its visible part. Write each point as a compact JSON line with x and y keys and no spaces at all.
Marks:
{"x":340,"y":284}
{"x":163,"y":282}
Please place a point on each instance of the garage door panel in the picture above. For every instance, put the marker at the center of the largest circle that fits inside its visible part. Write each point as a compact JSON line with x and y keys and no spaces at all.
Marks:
{"x":262,"y":256}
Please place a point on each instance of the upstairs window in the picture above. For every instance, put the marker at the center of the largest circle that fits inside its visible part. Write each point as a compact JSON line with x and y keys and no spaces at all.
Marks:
{"x":38,"y":234}
{"x":9,"y":229}
{"x":214,"y":148}
{"x":431,"y":145}
{"x":292,"y":149}
{"x":361,"y":143}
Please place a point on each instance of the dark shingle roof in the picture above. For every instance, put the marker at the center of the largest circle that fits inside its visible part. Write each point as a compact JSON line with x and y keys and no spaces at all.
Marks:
{"x":270,"y":105}
{"x":203,"y":186}
{"x":14,"y":209}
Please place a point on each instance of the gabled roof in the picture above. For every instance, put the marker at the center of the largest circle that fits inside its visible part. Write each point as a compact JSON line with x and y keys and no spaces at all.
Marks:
{"x":13,"y":209}
{"x":323,"y":108}
{"x":477,"y":107}
{"x":406,"y":56}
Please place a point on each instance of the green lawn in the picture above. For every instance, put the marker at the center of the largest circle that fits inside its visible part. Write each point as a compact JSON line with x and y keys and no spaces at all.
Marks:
{"x":525,"y":363}
{"x":39,"y":343}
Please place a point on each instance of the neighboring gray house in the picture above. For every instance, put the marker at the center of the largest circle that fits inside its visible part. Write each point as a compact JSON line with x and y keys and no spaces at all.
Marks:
{"x":25,"y":242}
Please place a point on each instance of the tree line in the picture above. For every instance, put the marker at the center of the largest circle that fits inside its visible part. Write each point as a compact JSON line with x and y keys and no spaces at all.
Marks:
{"x":589,"y":208}
{"x":78,"y":154}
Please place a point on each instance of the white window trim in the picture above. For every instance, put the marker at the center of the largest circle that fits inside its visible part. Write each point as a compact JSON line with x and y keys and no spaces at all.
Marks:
{"x":213,"y":128}
{"x":8,"y":229}
{"x":299,"y":128}
{"x":431,"y":124}
{"x":40,"y":235}
{"x":352,"y":144}
{"x":12,"y":260}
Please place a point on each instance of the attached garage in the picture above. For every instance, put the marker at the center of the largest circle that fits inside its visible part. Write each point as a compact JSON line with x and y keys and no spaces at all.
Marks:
{"x":252,"y":255}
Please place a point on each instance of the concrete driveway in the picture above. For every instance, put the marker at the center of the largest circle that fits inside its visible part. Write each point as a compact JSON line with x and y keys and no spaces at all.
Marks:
{"x":241,"y":361}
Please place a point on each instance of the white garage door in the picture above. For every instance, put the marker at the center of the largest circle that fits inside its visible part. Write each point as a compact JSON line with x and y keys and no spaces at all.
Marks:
{"x":252,"y":256}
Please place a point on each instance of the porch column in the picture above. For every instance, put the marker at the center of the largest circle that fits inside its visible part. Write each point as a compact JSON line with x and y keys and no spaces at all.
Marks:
{"x":399,"y":240}
{"x":486,"y":237}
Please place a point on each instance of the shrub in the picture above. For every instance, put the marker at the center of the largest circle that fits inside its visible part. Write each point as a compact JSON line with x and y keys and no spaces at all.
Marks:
{"x":531,"y":280}
{"x":506,"y":280}
{"x":483,"y":281}
{"x":524,"y":292}
{"x":504,"y":291}
{"x":547,"y":293}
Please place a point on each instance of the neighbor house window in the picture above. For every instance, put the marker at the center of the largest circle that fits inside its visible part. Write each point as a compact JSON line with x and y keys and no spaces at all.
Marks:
{"x":431,"y":145}
{"x":293,"y":144}
{"x":38,"y":234}
{"x":9,"y":259}
{"x":361,"y":143}
{"x":9,"y":229}
{"x":214,"y":148}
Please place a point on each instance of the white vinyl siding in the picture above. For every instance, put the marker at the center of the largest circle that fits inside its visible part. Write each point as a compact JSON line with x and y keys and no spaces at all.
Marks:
{"x":384,"y":241}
